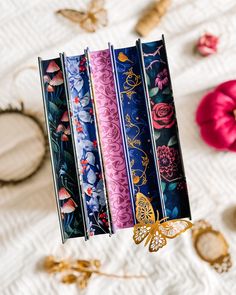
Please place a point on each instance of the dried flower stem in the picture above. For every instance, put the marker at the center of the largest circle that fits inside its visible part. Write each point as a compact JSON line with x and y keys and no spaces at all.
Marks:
{"x":98,"y":272}
{"x":80,"y":271}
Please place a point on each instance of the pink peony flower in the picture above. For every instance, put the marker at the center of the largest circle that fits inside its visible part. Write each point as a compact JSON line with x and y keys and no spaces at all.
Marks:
{"x":163,"y":115}
{"x":216,"y":117}
{"x":162,"y":79}
{"x":207,"y":44}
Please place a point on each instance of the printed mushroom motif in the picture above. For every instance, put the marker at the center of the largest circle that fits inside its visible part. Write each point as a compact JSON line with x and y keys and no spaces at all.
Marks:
{"x":57,"y":79}
{"x":64,"y":137}
{"x":46,"y":79}
{"x":69,"y":206}
{"x":63,"y":194}
{"x":65,"y":117}
{"x":67,"y":131}
{"x":60,"y":128}
{"x":52,"y":67}
{"x":50,"y":88}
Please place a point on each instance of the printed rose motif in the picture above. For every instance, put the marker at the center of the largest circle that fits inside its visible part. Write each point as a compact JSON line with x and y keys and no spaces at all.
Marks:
{"x":207,"y":44}
{"x":162,"y":79}
{"x":163,"y":115}
{"x":169,"y":161}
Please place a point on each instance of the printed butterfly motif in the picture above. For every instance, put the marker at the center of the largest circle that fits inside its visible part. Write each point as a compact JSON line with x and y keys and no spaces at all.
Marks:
{"x":89,"y":20}
{"x":155,"y":231}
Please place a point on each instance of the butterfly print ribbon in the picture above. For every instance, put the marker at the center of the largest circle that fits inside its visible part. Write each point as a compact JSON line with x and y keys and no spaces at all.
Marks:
{"x":133,"y":110}
{"x":68,"y":195}
{"x":86,"y":145}
{"x":111,"y":139}
{"x":163,"y":117}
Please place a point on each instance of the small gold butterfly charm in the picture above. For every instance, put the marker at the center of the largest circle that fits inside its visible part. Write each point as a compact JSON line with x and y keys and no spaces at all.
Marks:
{"x":89,"y":20}
{"x":155,"y":231}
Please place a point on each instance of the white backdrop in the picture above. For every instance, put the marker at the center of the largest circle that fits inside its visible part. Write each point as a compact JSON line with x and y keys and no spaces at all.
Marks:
{"x":29,"y":228}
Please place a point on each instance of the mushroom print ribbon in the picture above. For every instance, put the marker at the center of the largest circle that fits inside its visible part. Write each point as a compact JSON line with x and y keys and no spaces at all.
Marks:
{"x":170,"y":163}
{"x":64,"y":170}
{"x":87,"y":145}
{"x":135,"y":122}
{"x":111,"y":139}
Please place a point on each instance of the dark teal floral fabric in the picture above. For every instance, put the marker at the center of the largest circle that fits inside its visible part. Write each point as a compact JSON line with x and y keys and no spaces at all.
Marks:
{"x":164,"y":122}
{"x":67,"y":188}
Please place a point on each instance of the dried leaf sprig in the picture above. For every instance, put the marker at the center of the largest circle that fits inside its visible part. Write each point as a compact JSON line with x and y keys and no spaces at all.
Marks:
{"x":152,"y":17}
{"x":79,"y":271}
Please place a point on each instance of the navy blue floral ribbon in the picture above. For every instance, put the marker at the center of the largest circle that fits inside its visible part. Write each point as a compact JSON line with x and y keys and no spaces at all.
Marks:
{"x":170,"y":163}
{"x":87,"y":149}
{"x":68,"y":195}
{"x":133,"y":109}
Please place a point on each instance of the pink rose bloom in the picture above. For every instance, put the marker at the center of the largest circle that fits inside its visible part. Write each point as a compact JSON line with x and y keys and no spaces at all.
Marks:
{"x":207,"y":44}
{"x":162,"y":79}
{"x":163,"y":115}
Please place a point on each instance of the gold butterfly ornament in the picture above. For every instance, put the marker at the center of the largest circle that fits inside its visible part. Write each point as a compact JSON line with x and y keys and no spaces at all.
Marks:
{"x":152,"y":229}
{"x":90,"y":20}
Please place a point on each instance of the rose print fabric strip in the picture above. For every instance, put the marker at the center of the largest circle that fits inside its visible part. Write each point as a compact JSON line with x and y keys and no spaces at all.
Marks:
{"x":111,"y":139}
{"x":86,"y":145}
{"x":135,"y":122}
{"x":164,"y":123}
{"x":68,"y":195}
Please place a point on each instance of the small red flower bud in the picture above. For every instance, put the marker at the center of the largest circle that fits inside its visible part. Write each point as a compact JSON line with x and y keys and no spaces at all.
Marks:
{"x":207,"y":44}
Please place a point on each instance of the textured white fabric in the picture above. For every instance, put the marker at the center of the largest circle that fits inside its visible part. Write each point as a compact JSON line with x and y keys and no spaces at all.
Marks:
{"x":29,"y":228}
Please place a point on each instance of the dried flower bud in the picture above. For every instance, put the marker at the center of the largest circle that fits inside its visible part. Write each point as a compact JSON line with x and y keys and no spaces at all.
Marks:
{"x":83,"y":263}
{"x":96,"y":263}
{"x":207,"y":44}
{"x":69,"y":279}
{"x":51,"y":265}
{"x":83,"y":280}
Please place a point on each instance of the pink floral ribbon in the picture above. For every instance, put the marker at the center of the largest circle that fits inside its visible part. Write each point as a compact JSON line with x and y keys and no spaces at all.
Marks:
{"x":111,"y":140}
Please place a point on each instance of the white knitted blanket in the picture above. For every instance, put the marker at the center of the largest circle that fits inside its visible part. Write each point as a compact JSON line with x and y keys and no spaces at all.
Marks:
{"x":29,"y":227}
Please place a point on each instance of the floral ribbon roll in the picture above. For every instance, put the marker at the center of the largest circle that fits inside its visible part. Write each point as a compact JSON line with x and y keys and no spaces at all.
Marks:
{"x":111,"y":139}
{"x":135,"y":124}
{"x":68,"y":195}
{"x":87,"y":149}
{"x":160,"y":98}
